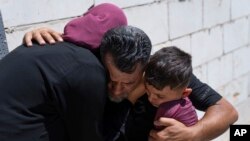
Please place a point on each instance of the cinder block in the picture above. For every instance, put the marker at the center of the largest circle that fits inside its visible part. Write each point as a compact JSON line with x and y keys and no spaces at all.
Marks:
{"x":126,"y":3}
{"x":236,"y":34}
{"x":243,"y":110}
{"x":200,"y":114}
{"x":183,"y":43}
{"x":206,"y":45}
{"x":236,"y":91}
{"x":220,"y":71}
{"x":241,"y":64}
{"x":201,"y":73}
{"x":160,"y":46}
{"x":185,"y":17}
{"x":216,"y":12}
{"x":152,"y":19}
{"x":221,"y":90}
{"x":22,"y":12}
{"x":248,"y":31}
{"x":240,"y":8}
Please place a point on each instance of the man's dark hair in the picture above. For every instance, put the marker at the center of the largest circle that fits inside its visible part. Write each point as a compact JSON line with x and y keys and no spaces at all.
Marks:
{"x":169,"y":66}
{"x":128,"y":46}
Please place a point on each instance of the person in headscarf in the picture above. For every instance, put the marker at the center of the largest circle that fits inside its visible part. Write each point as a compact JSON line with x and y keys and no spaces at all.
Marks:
{"x":58,"y":92}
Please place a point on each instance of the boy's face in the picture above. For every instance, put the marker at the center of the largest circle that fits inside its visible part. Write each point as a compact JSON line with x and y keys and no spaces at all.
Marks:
{"x":157,"y":97}
{"x":120,"y":83}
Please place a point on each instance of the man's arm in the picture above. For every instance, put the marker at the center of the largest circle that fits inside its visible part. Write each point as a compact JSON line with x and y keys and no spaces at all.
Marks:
{"x":216,"y":120}
{"x":219,"y":114}
{"x":42,"y":35}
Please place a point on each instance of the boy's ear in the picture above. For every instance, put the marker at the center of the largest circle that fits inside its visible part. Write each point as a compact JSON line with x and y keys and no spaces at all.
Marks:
{"x":186,"y":92}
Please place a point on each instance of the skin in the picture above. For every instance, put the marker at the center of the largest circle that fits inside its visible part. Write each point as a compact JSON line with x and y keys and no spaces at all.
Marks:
{"x":209,"y":127}
{"x":157,"y":97}
{"x":42,"y":36}
{"x":121,"y":84}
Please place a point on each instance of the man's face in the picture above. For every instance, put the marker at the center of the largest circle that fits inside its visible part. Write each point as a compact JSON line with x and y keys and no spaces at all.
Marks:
{"x":157,"y":97}
{"x":120,"y":83}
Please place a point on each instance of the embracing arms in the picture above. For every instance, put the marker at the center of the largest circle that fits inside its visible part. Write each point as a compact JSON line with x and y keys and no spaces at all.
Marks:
{"x":219,"y":113}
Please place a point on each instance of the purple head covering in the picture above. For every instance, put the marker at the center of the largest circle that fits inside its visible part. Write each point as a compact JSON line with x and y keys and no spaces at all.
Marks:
{"x":89,"y":29}
{"x":181,"y":110}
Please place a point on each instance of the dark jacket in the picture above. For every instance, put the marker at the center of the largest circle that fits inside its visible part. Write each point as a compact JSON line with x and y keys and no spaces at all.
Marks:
{"x":51,"y":93}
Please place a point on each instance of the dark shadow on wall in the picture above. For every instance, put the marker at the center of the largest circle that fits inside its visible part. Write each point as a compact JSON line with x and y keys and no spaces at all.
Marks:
{"x":3,"y":42}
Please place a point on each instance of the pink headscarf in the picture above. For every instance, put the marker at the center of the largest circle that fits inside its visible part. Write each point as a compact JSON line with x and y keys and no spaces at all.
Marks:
{"x":89,"y":29}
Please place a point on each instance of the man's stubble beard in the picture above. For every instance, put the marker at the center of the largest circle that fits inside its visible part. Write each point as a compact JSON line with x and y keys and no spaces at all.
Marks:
{"x":118,"y":99}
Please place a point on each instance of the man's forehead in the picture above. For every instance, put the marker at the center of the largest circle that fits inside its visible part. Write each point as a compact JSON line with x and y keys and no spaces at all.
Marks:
{"x":115,"y":73}
{"x":123,"y":77}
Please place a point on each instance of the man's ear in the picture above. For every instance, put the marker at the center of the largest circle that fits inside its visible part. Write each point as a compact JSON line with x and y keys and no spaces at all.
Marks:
{"x":186,"y":92}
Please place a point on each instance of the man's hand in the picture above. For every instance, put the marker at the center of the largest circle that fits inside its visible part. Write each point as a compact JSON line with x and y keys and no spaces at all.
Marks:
{"x":174,"y":131}
{"x":42,"y":35}
{"x":210,"y":126}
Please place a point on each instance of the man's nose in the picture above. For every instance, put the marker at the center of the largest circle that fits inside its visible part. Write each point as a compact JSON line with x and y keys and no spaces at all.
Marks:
{"x":117,"y":89}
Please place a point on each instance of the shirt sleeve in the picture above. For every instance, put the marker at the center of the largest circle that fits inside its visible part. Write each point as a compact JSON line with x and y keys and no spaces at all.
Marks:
{"x":202,"y":96}
{"x":83,"y":105}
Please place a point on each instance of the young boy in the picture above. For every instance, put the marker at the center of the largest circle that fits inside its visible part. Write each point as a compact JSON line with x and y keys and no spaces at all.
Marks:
{"x":166,"y":79}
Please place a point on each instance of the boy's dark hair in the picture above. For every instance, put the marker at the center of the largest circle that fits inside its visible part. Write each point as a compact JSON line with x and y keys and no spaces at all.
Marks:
{"x":128,"y":46}
{"x":169,"y":66}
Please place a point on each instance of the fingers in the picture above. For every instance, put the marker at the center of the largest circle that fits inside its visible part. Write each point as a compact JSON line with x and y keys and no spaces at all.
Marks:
{"x":27,"y":39}
{"x":156,"y":136}
{"x":172,"y":131}
{"x":50,"y":35}
{"x":46,"y":36}
{"x":165,"y":122}
{"x":37,"y":36}
{"x":57,"y":36}
{"x":42,"y":36}
{"x":152,"y":134}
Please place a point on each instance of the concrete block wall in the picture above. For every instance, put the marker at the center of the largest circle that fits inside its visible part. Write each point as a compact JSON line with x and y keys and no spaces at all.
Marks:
{"x":215,"y":32}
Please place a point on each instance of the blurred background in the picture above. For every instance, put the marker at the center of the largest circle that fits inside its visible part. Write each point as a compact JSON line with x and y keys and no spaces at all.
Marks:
{"x":215,"y":32}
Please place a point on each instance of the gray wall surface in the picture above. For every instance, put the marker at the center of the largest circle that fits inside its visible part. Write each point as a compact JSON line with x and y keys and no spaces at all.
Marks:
{"x":215,"y":32}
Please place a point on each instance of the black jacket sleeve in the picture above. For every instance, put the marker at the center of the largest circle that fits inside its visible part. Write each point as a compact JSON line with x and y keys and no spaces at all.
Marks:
{"x":202,"y":95}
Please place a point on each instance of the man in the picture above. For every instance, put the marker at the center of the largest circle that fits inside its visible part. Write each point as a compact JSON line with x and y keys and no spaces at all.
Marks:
{"x":50,"y":93}
{"x":124,"y":53}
